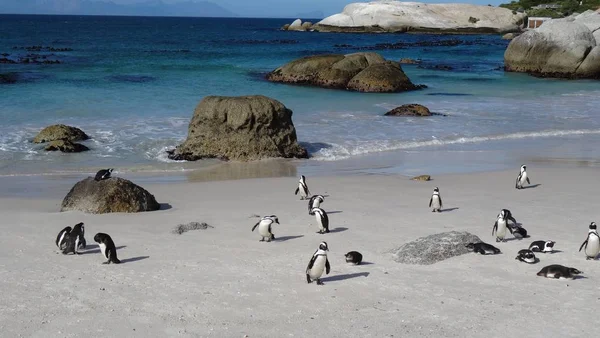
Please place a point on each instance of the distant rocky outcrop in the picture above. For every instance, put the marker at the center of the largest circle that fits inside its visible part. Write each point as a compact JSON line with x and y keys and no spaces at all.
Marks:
{"x":421,"y":178}
{"x":409,"y":61}
{"x":66,"y":146}
{"x":240,"y":128}
{"x":409,"y":110}
{"x":110,"y":195}
{"x":364,"y":72}
{"x":564,"y":48}
{"x":397,"y":16}
{"x":435,"y":248}
{"x":298,"y":25}
{"x":60,"y":132}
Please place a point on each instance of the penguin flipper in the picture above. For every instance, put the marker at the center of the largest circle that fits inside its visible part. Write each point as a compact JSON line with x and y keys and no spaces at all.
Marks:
{"x":327,"y":266}
{"x":296,"y":192}
{"x":310,"y":264}
{"x":255,"y":225}
{"x":528,"y":181}
{"x":495,"y":228}
{"x":430,"y":201}
{"x":441,"y":204}
{"x":584,"y":244}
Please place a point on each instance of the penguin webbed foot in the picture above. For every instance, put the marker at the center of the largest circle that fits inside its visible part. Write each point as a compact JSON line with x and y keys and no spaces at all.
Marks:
{"x":319,"y":282}
{"x":262,"y":239}
{"x":308,"y":279}
{"x":107,"y":262}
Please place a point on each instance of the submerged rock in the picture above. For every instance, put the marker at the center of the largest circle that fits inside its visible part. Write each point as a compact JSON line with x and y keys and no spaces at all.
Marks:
{"x":409,"y":110}
{"x":60,"y":132}
{"x":435,"y":248}
{"x":66,"y":146}
{"x":240,"y":128}
{"x":365,"y":72}
{"x":110,"y":195}
{"x":409,"y":61}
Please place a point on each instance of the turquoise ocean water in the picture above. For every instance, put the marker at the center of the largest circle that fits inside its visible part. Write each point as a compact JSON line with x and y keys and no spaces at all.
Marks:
{"x":132,"y":84}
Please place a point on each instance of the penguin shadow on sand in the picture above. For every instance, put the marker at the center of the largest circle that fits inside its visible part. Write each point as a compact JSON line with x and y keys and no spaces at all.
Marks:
{"x":338,"y":229}
{"x":449,"y":209}
{"x":133,"y":259}
{"x":342,"y":277}
{"x":95,"y":249}
{"x":286,"y":238}
{"x":335,"y":212}
{"x":532,"y":186}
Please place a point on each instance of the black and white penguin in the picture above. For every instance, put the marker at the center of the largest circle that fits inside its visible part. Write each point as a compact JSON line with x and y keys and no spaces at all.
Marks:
{"x":302,"y":188}
{"x":526,"y":256}
{"x":557,"y":271}
{"x":322,"y":220}
{"x":542,"y":246}
{"x":107,"y":248}
{"x":74,"y":240}
{"x":315,"y":202}
{"x":60,"y":239}
{"x":103,"y":174}
{"x":592,"y":243}
{"x":354,"y":257}
{"x":508,"y":216}
{"x":436,"y":200}
{"x":500,"y":227}
{"x":264,"y":227}
{"x":522,"y":178}
{"x":518,"y":231}
{"x":483,"y":248}
{"x":318,"y":264}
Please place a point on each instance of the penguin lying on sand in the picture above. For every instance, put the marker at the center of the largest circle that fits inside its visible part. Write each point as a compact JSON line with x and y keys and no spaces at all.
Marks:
{"x":557,"y":271}
{"x":483,"y":248}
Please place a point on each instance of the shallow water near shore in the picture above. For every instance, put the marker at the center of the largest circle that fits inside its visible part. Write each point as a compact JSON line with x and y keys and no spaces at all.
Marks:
{"x":132,"y":85}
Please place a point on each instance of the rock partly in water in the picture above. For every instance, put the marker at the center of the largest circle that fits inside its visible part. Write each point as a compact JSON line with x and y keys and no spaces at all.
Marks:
{"x":564,"y":48}
{"x":110,"y":195}
{"x":285,"y":27}
{"x":409,"y":110}
{"x":240,"y":128}
{"x":509,"y":36}
{"x":435,"y":248}
{"x":306,"y":26}
{"x":409,"y":61}
{"x":421,"y":178}
{"x":60,"y":132}
{"x":398,"y":16}
{"x":66,"y":146}
{"x":295,"y":26}
{"x":365,"y":72}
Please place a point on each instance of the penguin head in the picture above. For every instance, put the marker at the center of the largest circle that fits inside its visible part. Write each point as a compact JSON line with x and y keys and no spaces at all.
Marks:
{"x":273,"y":218}
{"x":523,"y":168}
{"x":550,"y":244}
{"x":593,"y":226}
{"x":574,"y":271}
{"x":436,"y":189}
{"x":321,"y":198}
{"x":302,"y":178}
{"x":110,"y":170}
{"x":323,"y":246}
{"x":80,"y":226}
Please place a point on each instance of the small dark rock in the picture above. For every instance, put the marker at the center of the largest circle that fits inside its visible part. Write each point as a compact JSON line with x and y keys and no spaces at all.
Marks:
{"x":409,"y":110}
{"x":66,"y":146}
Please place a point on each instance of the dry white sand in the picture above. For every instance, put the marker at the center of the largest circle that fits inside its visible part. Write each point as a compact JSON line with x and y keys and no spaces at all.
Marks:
{"x":223,"y":282}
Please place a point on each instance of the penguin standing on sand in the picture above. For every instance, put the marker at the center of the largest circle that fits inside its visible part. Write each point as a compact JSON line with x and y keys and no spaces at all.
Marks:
{"x":322,"y":219}
{"x":60,"y":239}
{"x":526,"y":256}
{"x":107,"y":248}
{"x":103,"y":174}
{"x":592,"y":243}
{"x":74,"y":240}
{"x":318,"y":264}
{"x":542,"y":246}
{"x":483,"y":248}
{"x":522,"y":178}
{"x":436,"y":200}
{"x":315,"y":202}
{"x":557,"y":271}
{"x":302,"y":188}
{"x":264,"y":227}
{"x":500,"y":227}
{"x":354,"y":257}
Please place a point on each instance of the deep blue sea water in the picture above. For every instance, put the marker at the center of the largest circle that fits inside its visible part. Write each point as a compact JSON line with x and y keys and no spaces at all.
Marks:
{"x":132,"y":84}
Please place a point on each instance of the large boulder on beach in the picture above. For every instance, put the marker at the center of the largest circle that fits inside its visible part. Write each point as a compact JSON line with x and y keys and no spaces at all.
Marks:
{"x":240,"y":128}
{"x":563,"y":48}
{"x":400,"y":16}
{"x":110,"y":195}
{"x":66,"y":146}
{"x":365,"y":72}
{"x":60,"y":132}
{"x":435,"y":248}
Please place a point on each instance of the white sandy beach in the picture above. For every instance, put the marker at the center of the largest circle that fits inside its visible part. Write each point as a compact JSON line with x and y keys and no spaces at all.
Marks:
{"x":223,"y":282}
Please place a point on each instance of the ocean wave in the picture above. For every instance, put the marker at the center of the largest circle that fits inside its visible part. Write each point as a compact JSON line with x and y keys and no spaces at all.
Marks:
{"x":334,"y":152}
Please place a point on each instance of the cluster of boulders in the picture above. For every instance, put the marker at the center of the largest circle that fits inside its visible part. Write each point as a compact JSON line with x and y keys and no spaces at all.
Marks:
{"x":363,"y":72}
{"x":564,"y":48}
{"x":63,"y":138}
{"x":298,"y":26}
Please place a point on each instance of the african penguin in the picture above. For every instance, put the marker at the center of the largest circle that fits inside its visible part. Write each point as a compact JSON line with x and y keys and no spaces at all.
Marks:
{"x":522,"y":178}
{"x":518,"y":231}
{"x":542,"y":246}
{"x":103,"y":174}
{"x":436,"y":200}
{"x":107,"y":248}
{"x":302,"y":188}
{"x":60,"y":239}
{"x":74,"y":240}
{"x":591,"y":243}
{"x":318,"y":263}
{"x":500,"y":227}
{"x":264,"y":227}
{"x":557,"y":271}
{"x":315,"y":202}
{"x":354,"y":257}
{"x":526,"y":256}
{"x":322,"y":220}
{"x":508,"y":216}
{"x":483,"y":248}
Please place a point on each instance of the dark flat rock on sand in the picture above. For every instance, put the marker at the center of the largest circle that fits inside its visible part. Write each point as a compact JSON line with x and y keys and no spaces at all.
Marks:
{"x":435,"y":248}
